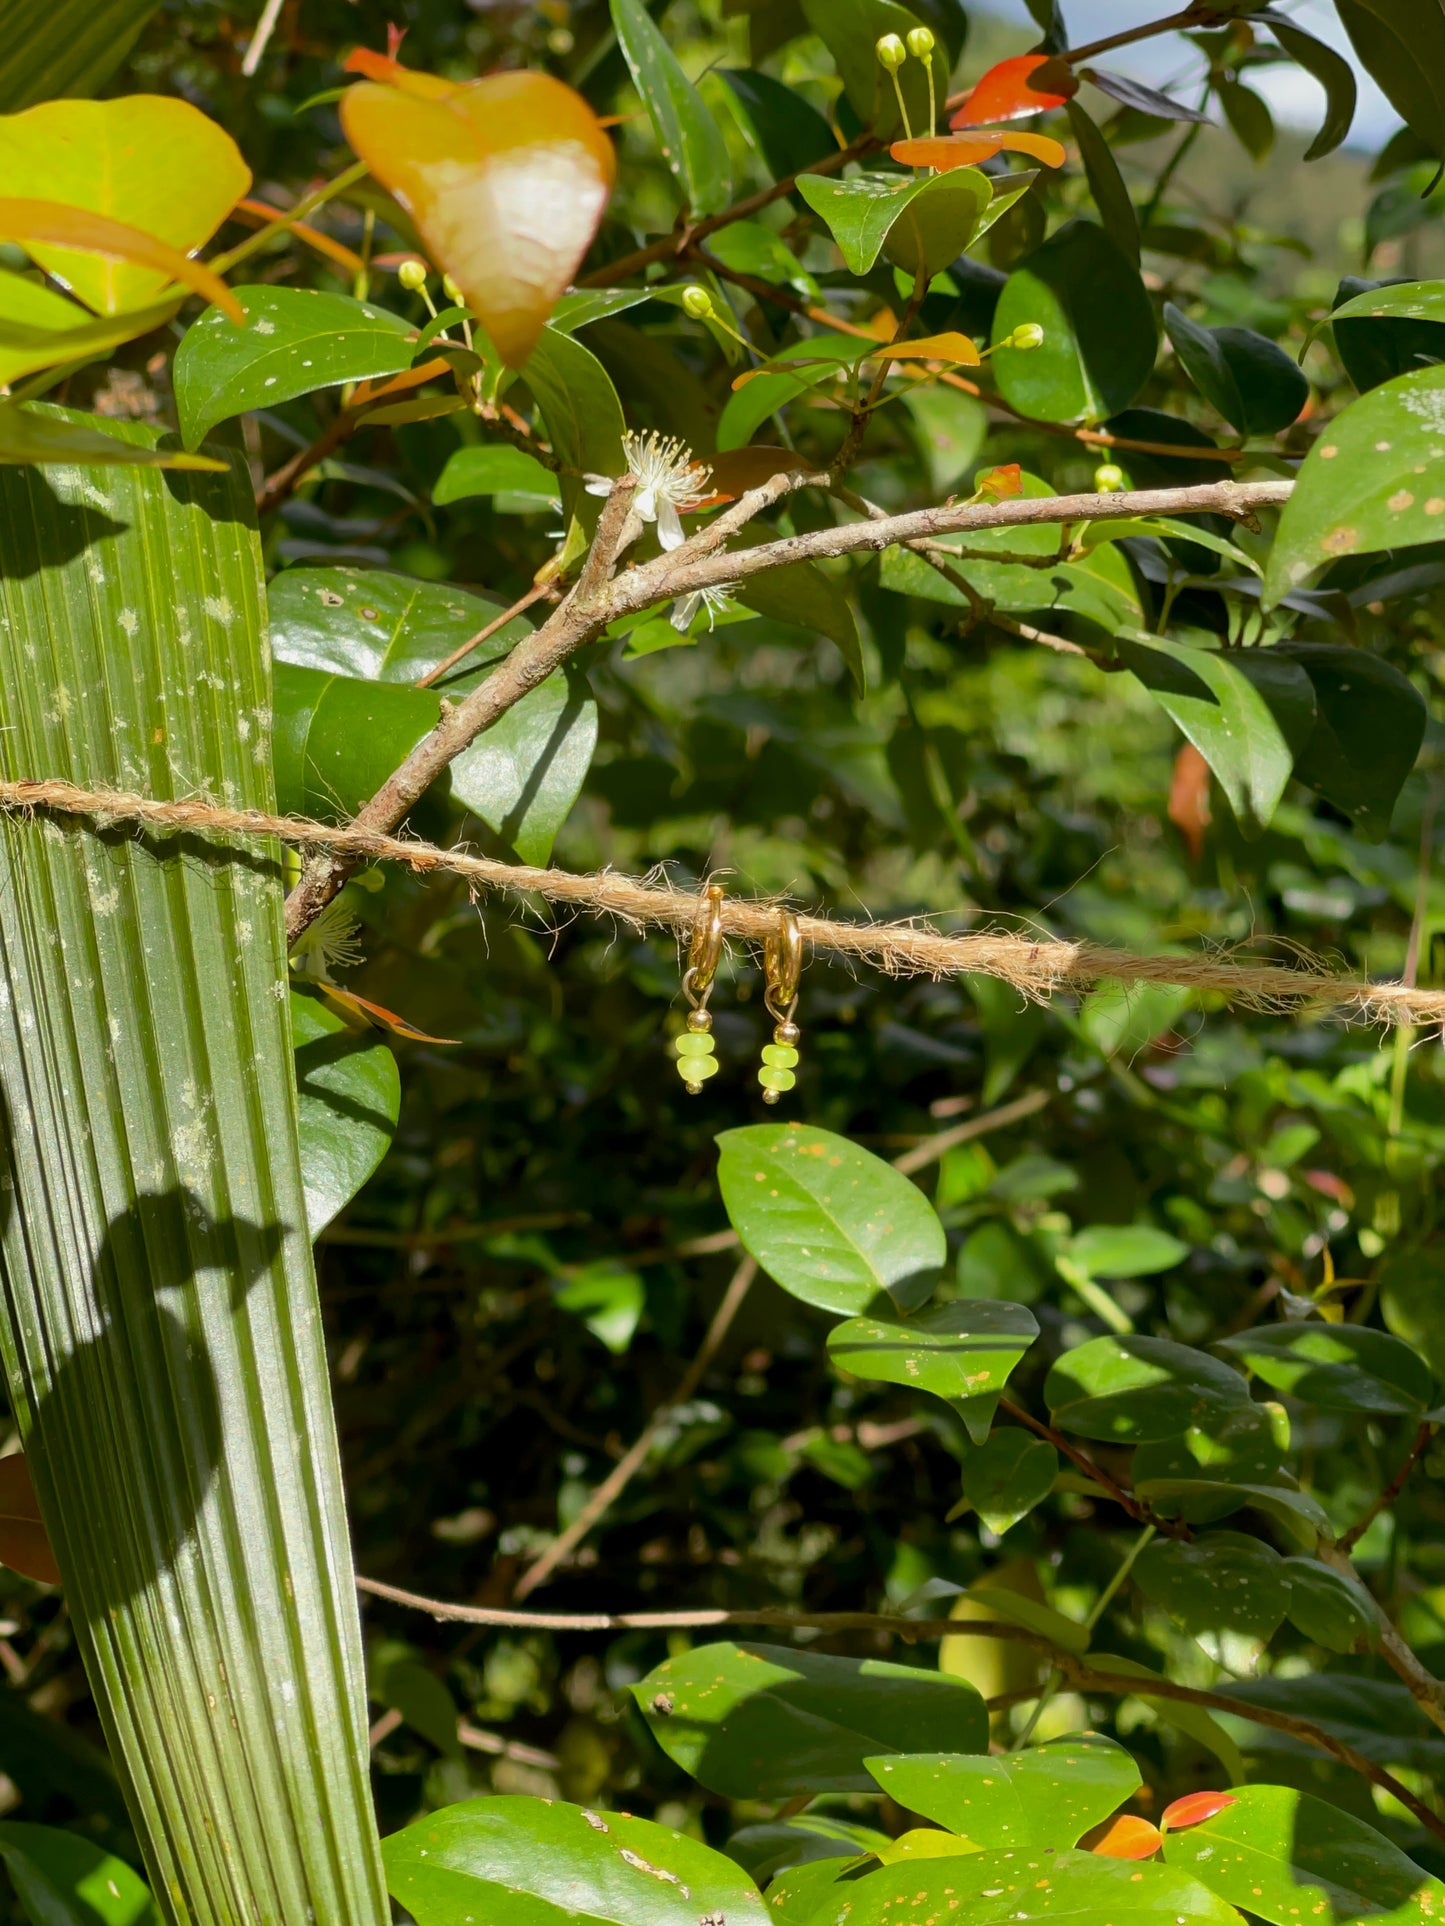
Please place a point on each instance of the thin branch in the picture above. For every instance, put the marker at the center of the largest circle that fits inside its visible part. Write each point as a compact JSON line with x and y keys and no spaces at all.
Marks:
{"x":1392,"y":1490}
{"x":1137,"y":1510}
{"x":260,"y":39}
{"x":539,"y":592}
{"x":932,"y":1148}
{"x":1427,"y":1691}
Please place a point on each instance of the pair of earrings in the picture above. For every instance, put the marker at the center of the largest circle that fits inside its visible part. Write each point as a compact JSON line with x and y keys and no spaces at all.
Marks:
{"x":782,"y":964}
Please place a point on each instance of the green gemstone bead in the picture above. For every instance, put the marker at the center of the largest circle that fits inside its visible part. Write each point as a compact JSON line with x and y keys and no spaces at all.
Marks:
{"x":693,"y":1043}
{"x":772,"y":1079}
{"x":780,"y":1055}
{"x":697,"y":1069}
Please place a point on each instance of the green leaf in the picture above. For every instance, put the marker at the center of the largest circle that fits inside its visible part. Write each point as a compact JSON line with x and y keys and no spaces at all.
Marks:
{"x":786,"y":130}
{"x":1016,"y":1608}
{"x":1244,"y":1446}
{"x":923,"y":222}
{"x":1121,"y":1019}
{"x":1339,"y":1367}
{"x":295,"y":340}
{"x":610,"y":1301}
{"x":539,"y":1862}
{"x":162,"y":1338}
{"x":42,"y":329}
{"x":70,"y":47}
{"x":1193,"y":1720}
{"x":1125,"y":1250}
{"x":1248,"y":712}
{"x":1005,"y":1477}
{"x":692,"y":143}
{"x":851,"y":30}
{"x":1244,"y":376}
{"x":1329,"y":68}
{"x":400,"y":1681}
{"x":1049,"y":1795}
{"x":349,"y":1094}
{"x":763,"y":1722}
{"x":1401,"y":45}
{"x":1387,"y":328}
{"x":1365,"y":485}
{"x":796,"y":1895}
{"x":1138,"y":1390}
{"x":523,"y":774}
{"x":1335,"y":1611}
{"x":988,"y":1887}
{"x":1100,"y":336}
{"x":338,"y":738}
{"x":1219,"y":1583}
{"x":1412,"y":1300}
{"x":764,"y":1851}
{"x":951,"y":429}
{"x":63,"y":1880}
{"x":32,"y":436}
{"x":762,"y":395}
{"x":828,"y":1221}
{"x":964,"y":1351}
{"x":495,"y":470}
{"x":1106,"y":183}
{"x":382,"y":627}
{"x":583,"y":415}
{"x":809,"y":598}
{"x":1369,"y":727}
{"x":1248,"y":116}
{"x":1296,"y":1512}
{"x":1286,"y":1856}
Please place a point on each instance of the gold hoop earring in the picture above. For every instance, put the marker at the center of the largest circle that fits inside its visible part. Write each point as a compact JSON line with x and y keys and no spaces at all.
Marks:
{"x":782,"y":966}
{"x":696,"y":1061}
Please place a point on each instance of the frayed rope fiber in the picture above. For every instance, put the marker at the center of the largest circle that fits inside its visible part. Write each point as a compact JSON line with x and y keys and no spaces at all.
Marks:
{"x":1036,"y":969}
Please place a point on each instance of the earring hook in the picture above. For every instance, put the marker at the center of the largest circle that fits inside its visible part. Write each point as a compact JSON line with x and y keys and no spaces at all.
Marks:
{"x":705,"y":952}
{"x":782,"y":966}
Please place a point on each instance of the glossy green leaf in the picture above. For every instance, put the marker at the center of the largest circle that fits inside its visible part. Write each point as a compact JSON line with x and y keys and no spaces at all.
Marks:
{"x":1005,"y":1477}
{"x":295,"y":340}
{"x":1100,"y":336}
{"x":761,"y":396}
{"x":349,"y":1093}
{"x":1339,"y":1367}
{"x":795,"y":1895}
{"x":851,"y":30}
{"x":579,"y":405}
{"x":62,"y":1879}
{"x":1383,"y":329}
{"x":383,"y":627}
{"x":1401,"y":45}
{"x":924,"y":222}
{"x":162,"y":1339}
{"x":523,"y":775}
{"x":990,"y":1888}
{"x":763,"y":1722}
{"x":787,"y":131}
{"x":1106,"y":183}
{"x":829,"y":1221}
{"x":1335,"y":1611}
{"x":1248,"y":712}
{"x":964,"y":1351}
{"x":1193,"y":1720}
{"x":764,"y":1851}
{"x":338,"y":739}
{"x":1328,"y":67}
{"x":1137,"y":1390}
{"x":42,"y":329}
{"x":1286,"y":1856}
{"x":1244,"y":376}
{"x":495,"y":469}
{"x":1299,"y":1515}
{"x":809,"y":598}
{"x":692,"y":143}
{"x":1219,"y":1583}
{"x":1368,"y":482}
{"x":30,"y":435}
{"x":1369,"y":727}
{"x":68,"y":47}
{"x":539,"y":1862}
{"x":609,"y":1299}
{"x":1126,"y":1250}
{"x":1246,"y":1445}
{"x":1049,"y":1795}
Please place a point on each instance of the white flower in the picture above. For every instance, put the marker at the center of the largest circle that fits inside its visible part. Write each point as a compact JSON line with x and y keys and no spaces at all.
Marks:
{"x":669,"y":480}
{"x":714,"y":600}
{"x":330,"y":943}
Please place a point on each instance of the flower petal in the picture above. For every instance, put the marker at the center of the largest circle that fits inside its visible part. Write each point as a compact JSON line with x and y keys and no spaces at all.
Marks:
{"x":669,"y":527}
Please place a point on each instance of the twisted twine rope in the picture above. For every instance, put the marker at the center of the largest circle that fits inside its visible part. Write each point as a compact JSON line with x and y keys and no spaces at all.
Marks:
{"x":1038,"y":969}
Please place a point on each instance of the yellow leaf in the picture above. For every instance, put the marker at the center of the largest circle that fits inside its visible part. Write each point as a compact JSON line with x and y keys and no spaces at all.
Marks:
{"x":45,"y":227}
{"x":156,"y":164}
{"x":951,"y":347}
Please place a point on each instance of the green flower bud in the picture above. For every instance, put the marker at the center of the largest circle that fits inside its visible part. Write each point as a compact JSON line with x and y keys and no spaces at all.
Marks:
{"x":1028,"y":334}
{"x":1109,"y":478}
{"x":921,"y":43}
{"x":453,"y":292}
{"x":697,"y":302}
{"x":891,"y":52}
{"x":412,"y":275}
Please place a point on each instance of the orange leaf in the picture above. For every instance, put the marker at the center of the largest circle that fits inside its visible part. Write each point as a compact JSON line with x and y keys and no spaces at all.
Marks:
{"x":967,"y":150}
{"x":1195,"y":1809}
{"x":1008,"y":92}
{"x":262,"y":214}
{"x":1001,"y":483}
{"x":932,"y":347}
{"x":391,"y":73}
{"x":375,"y":1013}
{"x":53,"y":224}
{"x":506,"y":178}
{"x":1126,"y":1837}
{"x":24,"y":1545}
{"x":1189,"y":800}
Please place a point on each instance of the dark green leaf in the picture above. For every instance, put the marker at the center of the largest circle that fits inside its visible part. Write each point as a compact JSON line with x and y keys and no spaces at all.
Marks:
{"x":495,"y":470}
{"x":764,"y":1851}
{"x":1369,"y":726}
{"x":349,"y":1092}
{"x":1285,"y":1856}
{"x":786,"y":130}
{"x":538,"y":1862}
{"x":384,"y":627}
{"x":692,"y":143}
{"x":924,"y":222}
{"x":1335,"y":1611}
{"x":399,"y":1680}
{"x":579,"y":405}
{"x":988,"y":1886}
{"x":830,"y":1222}
{"x":1244,"y":376}
{"x":1249,"y":117}
{"x":1050,"y":1795}
{"x":295,"y":340}
{"x":1134,"y":95}
{"x":1106,"y":183}
{"x":524,"y":773}
{"x":1197,"y":1499}
{"x":1376,"y":1716}
{"x":763,"y":1722}
{"x":1401,"y":44}
{"x":963,"y":1351}
{"x":338,"y":739}
{"x":1005,"y":1477}
{"x":64,"y":1880}
{"x":851,"y":30}
{"x":1340,"y":1367}
{"x":1100,"y":335}
{"x":809,"y":598}
{"x":70,"y":47}
{"x":36,"y":436}
{"x":1387,"y":328}
{"x":1246,"y":1446}
{"x":1412,"y":1298}
{"x":1139,"y":1390}
{"x":1329,"y":68}
{"x":762,"y":395}
{"x":1221,"y":1582}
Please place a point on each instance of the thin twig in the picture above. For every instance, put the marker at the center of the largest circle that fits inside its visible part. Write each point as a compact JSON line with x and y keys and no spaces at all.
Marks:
{"x":261,"y":38}
{"x":539,"y":591}
{"x":1392,"y":1490}
{"x":1095,"y":1472}
{"x":1425,"y":1689}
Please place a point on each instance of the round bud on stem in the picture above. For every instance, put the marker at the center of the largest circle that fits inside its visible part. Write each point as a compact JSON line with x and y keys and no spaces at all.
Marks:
{"x":697,"y":302}
{"x":1109,"y":479}
{"x":921,"y":43}
{"x":1028,"y":334}
{"x":452,"y":291}
{"x":891,"y":52}
{"x":412,"y":275}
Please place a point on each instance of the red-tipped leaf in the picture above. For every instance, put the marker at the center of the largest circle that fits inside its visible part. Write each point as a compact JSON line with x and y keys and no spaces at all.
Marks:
{"x":1016,"y":88}
{"x":1194,"y":1809}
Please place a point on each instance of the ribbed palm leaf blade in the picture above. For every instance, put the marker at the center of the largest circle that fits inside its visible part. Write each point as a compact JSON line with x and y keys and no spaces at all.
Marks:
{"x":160,"y":1324}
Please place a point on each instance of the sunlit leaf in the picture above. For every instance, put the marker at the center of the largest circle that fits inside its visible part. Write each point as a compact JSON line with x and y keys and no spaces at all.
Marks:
{"x":349,"y":1093}
{"x":1049,"y":1795}
{"x":49,"y":229}
{"x":954,"y":348}
{"x":964,"y":1352}
{"x":62,"y":1879}
{"x":1193,"y":1810}
{"x":30,"y":434}
{"x":969,"y":150}
{"x":692,"y":143}
{"x":1127,"y":1837}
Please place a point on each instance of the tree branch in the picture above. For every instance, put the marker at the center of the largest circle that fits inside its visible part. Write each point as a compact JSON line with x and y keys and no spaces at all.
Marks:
{"x":1426,"y":1690}
{"x":1412,"y":1457}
